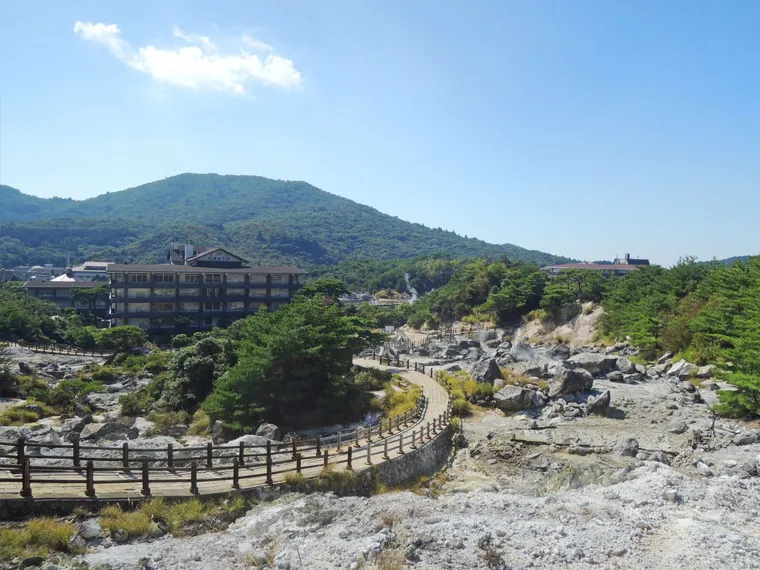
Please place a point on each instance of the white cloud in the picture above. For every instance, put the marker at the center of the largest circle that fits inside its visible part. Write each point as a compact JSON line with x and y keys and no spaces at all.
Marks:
{"x":198,"y":63}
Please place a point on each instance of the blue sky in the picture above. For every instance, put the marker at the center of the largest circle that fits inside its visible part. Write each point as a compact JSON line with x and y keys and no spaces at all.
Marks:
{"x":582,"y":128}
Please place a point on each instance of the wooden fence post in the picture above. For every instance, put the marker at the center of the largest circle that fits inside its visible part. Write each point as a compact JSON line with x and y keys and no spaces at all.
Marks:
{"x":350,"y":454}
{"x":209,"y":454}
{"x":356,"y":433}
{"x":75,"y":453}
{"x":369,"y":453}
{"x":414,"y":436}
{"x":194,"y":478}
{"x":401,"y":443}
{"x":385,"y":449}
{"x":145,"y":479}
{"x":235,"y":474}
{"x":326,"y":457}
{"x":319,"y":446}
{"x":125,"y":456}
{"x":269,"y":462}
{"x":293,"y":441}
{"x":20,"y":448}
{"x":298,"y":463}
{"x":241,"y":454}
{"x":90,"y":492}
{"x":170,"y":456}
{"x":407,"y":364}
{"x":380,"y":428}
{"x":340,"y":434}
{"x":428,"y":430}
{"x":26,"y":482}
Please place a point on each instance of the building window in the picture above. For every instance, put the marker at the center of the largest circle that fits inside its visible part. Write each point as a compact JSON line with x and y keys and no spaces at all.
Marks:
{"x":164,"y":292}
{"x":236,"y":292}
{"x":213,"y":292}
{"x":255,"y":306}
{"x":190,"y":307}
{"x":163,"y":277}
{"x":279,"y":292}
{"x":235,"y":306}
{"x":163,"y":307}
{"x":213,"y":306}
{"x":193,"y":278}
{"x":258,"y":292}
{"x":236,"y":278}
{"x":257,"y":278}
{"x":138,"y":277}
{"x":191,"y":293}
{"x":138,"y":308}
{"x":213,"y":278}
{"x":139,"y":293}
{"x":279,"y":279}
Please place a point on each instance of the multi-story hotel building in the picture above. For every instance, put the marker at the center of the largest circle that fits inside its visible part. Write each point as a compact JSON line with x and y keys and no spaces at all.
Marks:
{"x":196,"y":289}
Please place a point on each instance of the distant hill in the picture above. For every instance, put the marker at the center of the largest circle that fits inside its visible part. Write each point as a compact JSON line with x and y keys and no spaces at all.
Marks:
{"x":268,"y":221}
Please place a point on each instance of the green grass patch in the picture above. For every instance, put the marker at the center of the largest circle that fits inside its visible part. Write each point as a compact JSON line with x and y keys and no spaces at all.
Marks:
{"x":294,"y":479}
{"x":39,"y":537}
{"x":340,"y":482}
{"x":132,"y":524}
{"x":164,"y":421}
{"x":397,"y":403}
{"x":200,"y":424}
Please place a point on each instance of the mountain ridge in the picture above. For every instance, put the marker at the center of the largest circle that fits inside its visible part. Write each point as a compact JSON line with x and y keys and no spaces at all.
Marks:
{"x":268,"y":220}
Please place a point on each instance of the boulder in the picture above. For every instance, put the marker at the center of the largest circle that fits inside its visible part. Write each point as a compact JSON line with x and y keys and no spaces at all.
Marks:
{"x":514,"y":398}
{"x":746,"y":438}
{"x":521,"y":351}
{"x":177,"y":431}
{"x":144,"y":427}
{"x":111,"y":431}
{"x":628,"y":447}
{"x":466,"y":344}
{"x":665,"y":358}
{"x":529,"y":368}
{"x":677,"y":426}
{"x":249,"y":440}
{"x":24,"y":368}
{"x":493,"y":343}
{"x":598,"y":404}
{"x":625,"y":366}
{"x":634,"y":378}
{"x":486,"y":336}
{"x":709,"y":385}
{"x":73,"y":425}
{"x":596,"y":364}
{"x":616,"y":376}
{"x":90,"y":528}
{"x":34,"y":408}
{"x":486,"y":371}
{"x":269,"y":431}
{"x":570,"y":381}
{"x":641,"y":369}
{"x":498,"y":384}
{"x":100,"y":401}
{"x":706,"y":371}
{"x":683,"y":369}
{"x":220,"y":433}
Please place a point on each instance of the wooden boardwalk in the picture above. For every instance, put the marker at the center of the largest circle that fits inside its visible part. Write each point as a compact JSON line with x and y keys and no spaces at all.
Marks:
{"x":218,"y":470}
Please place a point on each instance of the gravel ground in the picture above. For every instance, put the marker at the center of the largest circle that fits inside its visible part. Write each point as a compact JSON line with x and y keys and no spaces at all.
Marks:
{"x":651,"y":516}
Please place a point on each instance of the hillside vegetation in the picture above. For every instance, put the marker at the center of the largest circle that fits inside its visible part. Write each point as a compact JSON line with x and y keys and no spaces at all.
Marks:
{"x":268,"y":221}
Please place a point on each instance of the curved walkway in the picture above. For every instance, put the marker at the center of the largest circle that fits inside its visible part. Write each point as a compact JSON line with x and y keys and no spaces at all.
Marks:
{"x":218,"y":469}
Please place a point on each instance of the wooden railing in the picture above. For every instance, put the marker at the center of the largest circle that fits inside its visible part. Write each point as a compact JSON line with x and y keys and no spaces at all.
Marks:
{"x":63,"y":349}
{"x":187,"y":466}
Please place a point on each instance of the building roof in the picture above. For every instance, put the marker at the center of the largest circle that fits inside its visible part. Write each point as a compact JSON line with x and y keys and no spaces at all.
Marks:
{"x":63,"y":284}
{"x":212,"y":250}
{"x":92,"y":266}
{"x":63,"y":278}
{"x":598,"y":266}
{"x":169,"y":268}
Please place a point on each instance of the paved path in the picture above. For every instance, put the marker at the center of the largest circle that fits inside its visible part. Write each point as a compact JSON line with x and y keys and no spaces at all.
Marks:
{"x":120,"y":484}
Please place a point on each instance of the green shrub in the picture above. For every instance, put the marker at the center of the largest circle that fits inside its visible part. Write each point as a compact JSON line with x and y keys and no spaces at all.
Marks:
{"x":181,"y":341}
{"x":294,"y":479}
{"x":67,"y":393}
{"x":369,"y":379}
{"x":166,"y":420}
{"x":200,"y":424}
{"x":340,"y":482}
{"x":39,"y":537}
{"x":104,"y":374}
{"x":136,"y":403}
{"x":461,"y":407}
{"x":132,"y":523}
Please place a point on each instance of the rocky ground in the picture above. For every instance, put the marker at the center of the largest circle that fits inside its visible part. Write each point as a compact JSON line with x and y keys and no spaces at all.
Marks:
{"x":588,"y":460}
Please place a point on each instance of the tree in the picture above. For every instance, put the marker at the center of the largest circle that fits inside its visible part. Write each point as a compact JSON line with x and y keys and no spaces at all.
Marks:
{"x":90,"y":297}
{"x":121,"y":339}
{"x":195,"y":369}
{"x":6,"y":362}
{"x":293,"y":367}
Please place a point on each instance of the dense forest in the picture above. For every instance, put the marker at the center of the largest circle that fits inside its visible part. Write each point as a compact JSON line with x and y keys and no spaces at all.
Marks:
{"x":267,"y":221}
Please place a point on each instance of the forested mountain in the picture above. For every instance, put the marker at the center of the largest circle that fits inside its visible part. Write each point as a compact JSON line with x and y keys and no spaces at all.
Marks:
{"x":267,"y":221}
